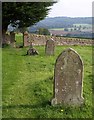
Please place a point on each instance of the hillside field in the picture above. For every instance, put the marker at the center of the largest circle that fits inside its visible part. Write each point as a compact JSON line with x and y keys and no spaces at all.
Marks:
{"x":27,"y":84}
{"x":83,"y":27}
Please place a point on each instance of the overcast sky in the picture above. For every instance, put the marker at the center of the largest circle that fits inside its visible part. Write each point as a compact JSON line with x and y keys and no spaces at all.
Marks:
{"x":72,"y":8}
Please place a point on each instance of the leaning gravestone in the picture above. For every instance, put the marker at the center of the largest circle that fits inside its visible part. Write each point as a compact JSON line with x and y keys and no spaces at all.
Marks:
{"x":68,"y":79}
{"x":50,"y":46}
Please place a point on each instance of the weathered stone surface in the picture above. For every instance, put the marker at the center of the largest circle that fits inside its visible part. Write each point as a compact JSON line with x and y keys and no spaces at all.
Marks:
{"x":12,"y":39}
{"x":32,"y":51}
{"x":50,"y":46}
{"x":26,"y":39}
{"x":68,"y":78}
{"x":5,"y":39}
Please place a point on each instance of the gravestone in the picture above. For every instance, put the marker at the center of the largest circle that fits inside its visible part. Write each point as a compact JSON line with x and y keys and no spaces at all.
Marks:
{"x":68,"y":77}
{"x":12,"y":39}
{"x":5,"y":39}
{"x":32,"y":51}
{"x":50,"y":46}
{"x":26,"y":39}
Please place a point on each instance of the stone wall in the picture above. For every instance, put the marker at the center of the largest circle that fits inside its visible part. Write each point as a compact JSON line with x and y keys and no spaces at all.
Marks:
{"x":41,"y":40}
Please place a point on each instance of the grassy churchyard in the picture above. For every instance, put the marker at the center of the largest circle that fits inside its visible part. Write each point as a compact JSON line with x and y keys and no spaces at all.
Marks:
{"x":27,"y":84}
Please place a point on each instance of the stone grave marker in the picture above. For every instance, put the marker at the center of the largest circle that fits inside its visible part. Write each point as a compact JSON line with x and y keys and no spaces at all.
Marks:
{"x":68,"y":75}
{"x":12,"y":39}
{"x":50,"y":46}
{"x":26,"y":39}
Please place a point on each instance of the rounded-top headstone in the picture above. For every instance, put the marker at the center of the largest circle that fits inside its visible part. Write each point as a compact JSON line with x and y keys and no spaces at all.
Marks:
{"x":68,"y":75}
{"x":50,"y":46}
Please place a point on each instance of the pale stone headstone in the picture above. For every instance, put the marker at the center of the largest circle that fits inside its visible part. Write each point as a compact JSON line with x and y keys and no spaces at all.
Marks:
{"x":68,"y":77}
{"x":50,"y":46}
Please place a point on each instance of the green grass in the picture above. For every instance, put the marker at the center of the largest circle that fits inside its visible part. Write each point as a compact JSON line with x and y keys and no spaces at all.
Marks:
{"x":28,"y":84}
{"x":19,"y":39}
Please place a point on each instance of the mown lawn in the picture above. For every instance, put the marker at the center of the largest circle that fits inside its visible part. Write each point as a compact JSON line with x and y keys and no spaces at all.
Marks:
{"x":27,"y":84}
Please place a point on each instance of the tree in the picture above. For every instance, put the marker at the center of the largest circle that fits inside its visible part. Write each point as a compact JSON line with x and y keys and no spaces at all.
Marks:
{"x":23,"y":14}
{"x":43,"y":31}
{"x":65,"y":29}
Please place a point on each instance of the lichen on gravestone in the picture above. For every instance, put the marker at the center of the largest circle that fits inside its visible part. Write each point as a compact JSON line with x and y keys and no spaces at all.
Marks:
{"x":68,"y":79}
{"x":50,"y":47}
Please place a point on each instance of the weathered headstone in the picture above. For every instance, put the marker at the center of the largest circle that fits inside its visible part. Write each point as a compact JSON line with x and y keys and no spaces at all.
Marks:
{"x":50,"y":46}
{"x":12,"y":39}
{"x":5,"y":39}
{"x":32,"y":51}
{"x":68,"y":77}
{"x":26,"y":39}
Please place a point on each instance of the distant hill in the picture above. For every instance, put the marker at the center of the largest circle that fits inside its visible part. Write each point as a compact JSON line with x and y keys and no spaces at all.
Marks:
{"x":60,"y":22}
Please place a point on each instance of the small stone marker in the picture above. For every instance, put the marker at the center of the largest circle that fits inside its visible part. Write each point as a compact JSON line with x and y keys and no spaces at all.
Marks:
{"x":32,"y":51}
{"x":68,"y":79}
{"x":50,"y":46}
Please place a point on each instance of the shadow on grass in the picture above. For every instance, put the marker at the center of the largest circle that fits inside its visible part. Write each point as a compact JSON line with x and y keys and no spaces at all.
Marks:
{"x":41,"y":105}
{"x":41,"y":92}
